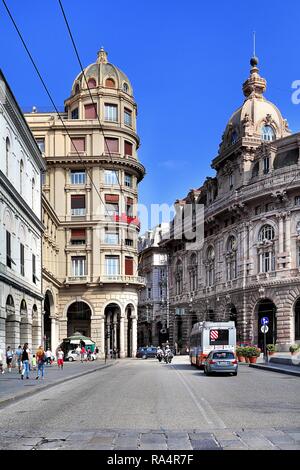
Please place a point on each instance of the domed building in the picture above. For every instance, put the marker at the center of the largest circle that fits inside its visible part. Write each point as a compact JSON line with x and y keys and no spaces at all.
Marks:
{"x":90,"y":195}
{"x":249,"y":264}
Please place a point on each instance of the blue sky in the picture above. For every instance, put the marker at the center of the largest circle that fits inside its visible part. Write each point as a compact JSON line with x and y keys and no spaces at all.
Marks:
{"x":187,"y":61}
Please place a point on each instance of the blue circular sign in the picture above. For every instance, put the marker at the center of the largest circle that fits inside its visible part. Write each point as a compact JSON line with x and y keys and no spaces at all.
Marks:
{"x":264,"y":320}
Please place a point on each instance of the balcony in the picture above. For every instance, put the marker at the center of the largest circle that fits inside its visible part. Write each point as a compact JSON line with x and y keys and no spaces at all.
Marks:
{"x":126,"y":219}
{"x":120,"y":279}
{"x":78,"y":212}
{"x":76,"y":280}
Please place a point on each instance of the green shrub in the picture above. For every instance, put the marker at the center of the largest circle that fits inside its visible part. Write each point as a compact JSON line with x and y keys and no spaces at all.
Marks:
{"x":252,"y":351}
{"x":294,"y":348}
{"x":271,"y":347}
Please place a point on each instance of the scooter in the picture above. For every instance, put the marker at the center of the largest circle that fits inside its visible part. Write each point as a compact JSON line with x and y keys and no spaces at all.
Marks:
{"x":159,"y":356}
{"x":168,"y":357}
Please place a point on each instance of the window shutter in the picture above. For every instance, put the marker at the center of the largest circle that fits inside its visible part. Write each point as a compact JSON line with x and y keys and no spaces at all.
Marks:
{"x":111,"y":145}
{"x":78,"y":234}
{"x":77,"y":202}
{"x":111,"y":198}
{"x":128,"y":266}
{"x":78,"y":144}
{"x":90,"y":111}
{"x":128,"y":148}
{"x":129,"y":201}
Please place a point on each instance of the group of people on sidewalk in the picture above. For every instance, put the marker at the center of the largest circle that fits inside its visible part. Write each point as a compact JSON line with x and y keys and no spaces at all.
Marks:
{"x":27,"y":361}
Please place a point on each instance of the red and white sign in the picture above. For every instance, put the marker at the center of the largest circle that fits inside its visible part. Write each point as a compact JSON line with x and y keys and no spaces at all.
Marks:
{"x":214,"y":334}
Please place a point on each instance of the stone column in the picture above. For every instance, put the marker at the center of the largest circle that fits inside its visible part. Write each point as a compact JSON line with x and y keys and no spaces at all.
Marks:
{"x":108,"y":333}
{"x":288,"y":239}
{"x":280,"y":222}
{"x":102,"y":337}
{"x":2,"y":328}
{"x":134,"y":337}
{"x":122,"y":337}
{"x":54,"y":339}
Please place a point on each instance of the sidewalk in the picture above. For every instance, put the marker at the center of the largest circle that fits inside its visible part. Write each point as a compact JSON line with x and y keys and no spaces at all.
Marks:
{"x":12,"y":388}
{"x":283,"y":363}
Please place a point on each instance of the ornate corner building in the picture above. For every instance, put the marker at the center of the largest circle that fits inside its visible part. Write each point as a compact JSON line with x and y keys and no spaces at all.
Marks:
{"x":249,"y":264}
{"x":90,"y":192}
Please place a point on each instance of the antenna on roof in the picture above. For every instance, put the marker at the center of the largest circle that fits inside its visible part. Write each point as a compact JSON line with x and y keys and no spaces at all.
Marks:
{"x":254,"y":43}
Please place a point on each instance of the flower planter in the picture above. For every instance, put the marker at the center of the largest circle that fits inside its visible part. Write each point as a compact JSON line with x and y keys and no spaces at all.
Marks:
{"x":247,"y":359}
{"x":270,"y":353}
{"x":252,"y":360}
{"x":241,"y":359}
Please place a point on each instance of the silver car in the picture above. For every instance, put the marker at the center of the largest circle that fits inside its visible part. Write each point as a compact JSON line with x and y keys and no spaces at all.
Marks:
{"x":221,"y":361}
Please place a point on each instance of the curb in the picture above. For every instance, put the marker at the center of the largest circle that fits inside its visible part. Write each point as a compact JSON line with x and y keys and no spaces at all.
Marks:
{"x":14,"y":399}
{"x":276,"y":369}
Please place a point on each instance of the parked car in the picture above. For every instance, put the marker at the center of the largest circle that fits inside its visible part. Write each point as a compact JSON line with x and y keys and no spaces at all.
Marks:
{"x":145,"y":352}
{"x":221,"y":361}
{"x":73,"y":356}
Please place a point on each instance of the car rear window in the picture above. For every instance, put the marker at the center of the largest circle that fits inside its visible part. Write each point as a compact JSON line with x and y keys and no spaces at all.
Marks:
{"x":223,"y":355}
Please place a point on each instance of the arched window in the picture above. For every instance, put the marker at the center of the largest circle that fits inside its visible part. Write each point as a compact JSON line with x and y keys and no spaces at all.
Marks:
{"x":267,"y":133}
{"x":231,"y":258}
{"x":7,"y":152}
{"x":193,"y":272}
{"x":125,"y":87}
{"x":210,"y":266}
{"x":92,"y":83}
{"x":266,"y":249}
{"x":21,"y":176}
{"x":179,"y":277}
{"x":77,"y":88}
{"x":110,"y":83}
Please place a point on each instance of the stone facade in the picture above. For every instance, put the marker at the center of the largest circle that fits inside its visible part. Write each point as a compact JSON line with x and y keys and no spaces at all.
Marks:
{"x":153,"y":309}
{"x":20,"y":227}
{"x":248,"y":264}
{"x":90,"y":195}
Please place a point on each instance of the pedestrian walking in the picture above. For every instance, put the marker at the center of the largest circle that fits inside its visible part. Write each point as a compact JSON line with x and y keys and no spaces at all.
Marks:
{"x":49,"y":356}
{"x":41,"y":358}
{"x":25,"y":361}
{"x":18,"y":355}
{"x":82,"y":353}
{"x":9,"y":358}
{"x":60,"y":358}
{"x":115,"y":352}
{"x":33,"y":362}
{"x":1,"y":361}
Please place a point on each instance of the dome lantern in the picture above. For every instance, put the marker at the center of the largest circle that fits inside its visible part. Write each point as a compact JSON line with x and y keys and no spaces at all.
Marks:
{"x":255,"y":85}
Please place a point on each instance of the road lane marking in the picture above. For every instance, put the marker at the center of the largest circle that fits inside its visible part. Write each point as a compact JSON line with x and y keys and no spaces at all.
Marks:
{"x":216,"y":421}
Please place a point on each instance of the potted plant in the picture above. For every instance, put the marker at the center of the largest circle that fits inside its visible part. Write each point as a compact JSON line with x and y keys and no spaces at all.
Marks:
{"x":240,"y":354}
{"x":253,"y":353}
{"x":247,"y":353}
{"x":294,"y":348}
{"x":271,"y":348}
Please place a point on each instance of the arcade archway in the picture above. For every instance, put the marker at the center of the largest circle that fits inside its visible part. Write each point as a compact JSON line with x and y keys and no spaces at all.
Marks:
{"x":79,"y":319}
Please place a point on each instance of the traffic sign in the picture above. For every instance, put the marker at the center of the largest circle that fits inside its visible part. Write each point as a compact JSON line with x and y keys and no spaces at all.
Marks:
{"x":264,"y":329}
{"x":264,"y":320}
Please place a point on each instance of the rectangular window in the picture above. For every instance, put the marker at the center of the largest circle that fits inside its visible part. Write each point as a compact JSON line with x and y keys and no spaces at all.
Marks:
{"x":75,"y":114}
{"x":78,"y":236}
{"x":111,"y":145}
{"x":77,"y":144}
{"x":127,"y":117}
{"x":111,"y":205}
{"x":44,"y":178}
{"x":111,"y":177}
{"x":41,"y":143}
{"x":297,"y":200}
{"x":22,"y":260}
{"x":78,"y":205}
{"x":128,"y":180}
{"x":128,"y":148}
{"x":231,"y":181}
{"x":266,"y":165}
{"x":90,"y":111}
{"x":8,"y":249}
{"x":78,"y":176}
{"x":129,"y":242}
{"x":111,"y":112}
{"x":129,"y":207}
{"x":111,"y":238}
{"x":128,"y":266}
{"x":112,"y":265}
{"x":34,"y":278}
{"x":78,"y":266}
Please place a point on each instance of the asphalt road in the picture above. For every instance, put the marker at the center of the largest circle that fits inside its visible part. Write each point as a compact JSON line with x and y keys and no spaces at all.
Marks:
{"x":143,"y":394}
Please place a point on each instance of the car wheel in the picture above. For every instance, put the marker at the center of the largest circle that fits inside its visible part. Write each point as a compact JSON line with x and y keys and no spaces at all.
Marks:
{"x":144,"y":356}
{"x":235,"y":374}
{"x":71,"y":359}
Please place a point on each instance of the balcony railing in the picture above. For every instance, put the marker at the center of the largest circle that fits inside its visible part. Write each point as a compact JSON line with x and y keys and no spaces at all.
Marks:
{"x":78,"y":212}
{"x":76,"y":279}
{"x":120,"y":278}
